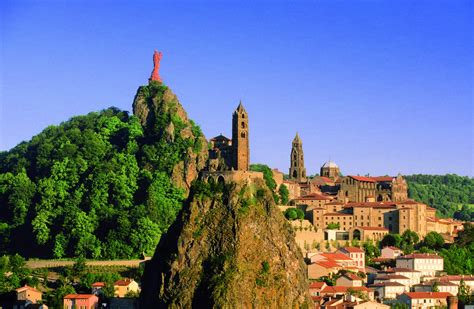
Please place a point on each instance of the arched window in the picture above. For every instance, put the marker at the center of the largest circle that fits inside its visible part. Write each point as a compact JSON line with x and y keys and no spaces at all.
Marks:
{"x":242,"y":125}
{"x":242,"y":134}
{"x":243,"y":115}
{"x":220,"y":179}
{"x":356,"y":235}
{"x":295,"y":174}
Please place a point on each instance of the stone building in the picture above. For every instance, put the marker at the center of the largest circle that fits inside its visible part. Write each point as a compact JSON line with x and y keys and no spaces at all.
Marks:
{"x":232,"y":154}
{"x":297,"y":169}
{"x":240,"y":139}
{"x":330,"y":170}
{"x":370,"y":189}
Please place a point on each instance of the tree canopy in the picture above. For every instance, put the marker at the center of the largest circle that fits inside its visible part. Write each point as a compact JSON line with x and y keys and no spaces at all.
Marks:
{"x":94,"y":186}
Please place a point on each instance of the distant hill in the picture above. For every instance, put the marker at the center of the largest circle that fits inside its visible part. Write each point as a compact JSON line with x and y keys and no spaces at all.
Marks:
{"x":104,"y":185}
{"x":451,"y":195}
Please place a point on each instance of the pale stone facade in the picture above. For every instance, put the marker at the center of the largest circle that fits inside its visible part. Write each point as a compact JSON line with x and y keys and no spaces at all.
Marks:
{"x":427,"y":264}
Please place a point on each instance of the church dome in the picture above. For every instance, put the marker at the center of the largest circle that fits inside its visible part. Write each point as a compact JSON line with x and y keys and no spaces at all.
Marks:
{"x":330,"y":164}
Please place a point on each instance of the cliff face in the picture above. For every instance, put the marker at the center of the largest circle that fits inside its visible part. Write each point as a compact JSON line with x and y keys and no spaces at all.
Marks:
{"x":169,"y":131}
{"x":229,"y":247}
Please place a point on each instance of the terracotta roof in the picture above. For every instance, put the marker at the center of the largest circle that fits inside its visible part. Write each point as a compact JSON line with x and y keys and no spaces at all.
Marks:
{"x":388,"y":277}
{"x":372,"y":228}
{"x":393,"y":248}
{"x":388,"y":283}
{"x":335,"y":203}
{"x":420,"y":256}
{"x":457,"y":278}
{"x":352,"y":276}
{"x":352,"y":249}
{"x":123,"y":282}
{"x":361,"y":178}
{"x":381,"y":259}
{"x":79,"y":296}
{"x":98,"y":284}
{"x":419,"y":295}
{"x":26,"y":287}
{"x":328,"y":264}
{"x":314,"y":196}
{"x":317,"y":285}
{"x":343,"y":289}
{"x":336,"y":256}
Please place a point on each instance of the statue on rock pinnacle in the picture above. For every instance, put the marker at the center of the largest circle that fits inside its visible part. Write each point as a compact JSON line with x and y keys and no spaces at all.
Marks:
{"x":156,"y":62}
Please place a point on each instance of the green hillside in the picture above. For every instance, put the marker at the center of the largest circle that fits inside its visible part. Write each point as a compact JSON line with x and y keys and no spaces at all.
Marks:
{"x":99,"y":185}
{"x":451,"y":195}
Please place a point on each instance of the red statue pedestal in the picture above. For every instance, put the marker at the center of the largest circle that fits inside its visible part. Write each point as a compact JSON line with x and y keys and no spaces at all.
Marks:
{"x":156,"y":62}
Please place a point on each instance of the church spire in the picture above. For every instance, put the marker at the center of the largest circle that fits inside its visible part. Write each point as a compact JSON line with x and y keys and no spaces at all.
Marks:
{"x":297,"y":169}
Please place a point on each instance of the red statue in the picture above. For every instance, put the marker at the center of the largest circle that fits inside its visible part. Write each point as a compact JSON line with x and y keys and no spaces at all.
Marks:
{"x":156,"y":62}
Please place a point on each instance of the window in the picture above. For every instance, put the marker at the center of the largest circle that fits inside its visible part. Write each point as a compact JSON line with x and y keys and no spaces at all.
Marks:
{"x":242,"y":134}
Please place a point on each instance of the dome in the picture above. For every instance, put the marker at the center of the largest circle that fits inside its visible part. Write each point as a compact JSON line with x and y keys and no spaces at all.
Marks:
{"x":330,"y":164}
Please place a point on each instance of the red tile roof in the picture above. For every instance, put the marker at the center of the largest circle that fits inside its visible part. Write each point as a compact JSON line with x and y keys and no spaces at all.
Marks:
{"x":371,"y":204}
{"x":123,"y":282}
{"x":336,"y":214}
{"x":393,"y":248}
{"x":352,"y":276}
{"x":79,"y":296}
{"x":352,"y":249}
{"x":343,"y":289}
{"x":361,"y":178}
{"x":336,"y":256}
{"x":317,"y":285}
{"x":388,"y":277}
{"x":314,"y":196}
{"x":388,"y":283}
{"x":328,"y":264}
{"x":418,"y":295}
{"x":98,"y":284}
{"x":26,"y":287}
{"x":457,"y":278}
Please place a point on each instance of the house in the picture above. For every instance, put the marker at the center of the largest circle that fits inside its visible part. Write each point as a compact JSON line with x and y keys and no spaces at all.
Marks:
{"x":394,"y":278}
{"x":28,"y":293}
{"x":315,"y":288}
{"x":456,"y":279}
{"x":97,"y":287}
{"x":370,"y":305}
{"x":391,"y":252}
{"x":427,"y":264}
{"x":349,"y":280}
{"x":388,"y":290}
{"x":413,"y":275}
{"x":124,"y":286}
{"x":83,"y":301}
{"x":340,"y":291}
{"x":322,"y":268}
{"x":424,"y":299}
{"x":356,"y":254}
{"x":442,"y":286}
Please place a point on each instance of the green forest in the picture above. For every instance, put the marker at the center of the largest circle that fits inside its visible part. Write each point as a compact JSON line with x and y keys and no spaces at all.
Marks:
{"x":96,"y":186}
{"x":451,"y":195}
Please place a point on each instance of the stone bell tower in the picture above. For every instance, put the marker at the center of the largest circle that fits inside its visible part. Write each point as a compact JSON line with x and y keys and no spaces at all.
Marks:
{"x":240,"y":139}
{"x":297,"y":169}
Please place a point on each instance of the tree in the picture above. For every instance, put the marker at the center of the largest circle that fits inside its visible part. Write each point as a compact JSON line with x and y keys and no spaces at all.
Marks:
{"x":268,"y":177}
{"x":284,"y":194}
{"x":294,"y":213}
{"x":435,"y":287}
{"x":388,"y":240}
{"x":464,"y":293}
{"x":410,"y":237}
{"x":433,"y":240}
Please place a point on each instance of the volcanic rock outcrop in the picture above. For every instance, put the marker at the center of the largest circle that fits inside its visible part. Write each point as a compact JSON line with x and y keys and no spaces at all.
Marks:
{"x":230,"y":247}
{"x":168,"y":128}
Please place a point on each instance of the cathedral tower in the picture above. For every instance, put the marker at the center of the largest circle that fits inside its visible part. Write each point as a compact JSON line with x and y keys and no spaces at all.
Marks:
{"x":297,"y":169}
{"x":240,"y":139}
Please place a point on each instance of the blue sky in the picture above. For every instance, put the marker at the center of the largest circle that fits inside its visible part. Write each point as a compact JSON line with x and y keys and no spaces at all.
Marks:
{"x":380,"y":87}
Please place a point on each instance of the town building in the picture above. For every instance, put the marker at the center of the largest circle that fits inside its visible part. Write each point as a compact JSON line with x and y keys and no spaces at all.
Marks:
{"x":387,"y":290}
{"x":124,"y":286}
{"x":28,"y":293}
{"x":391,"y":252}
{"x":424,"y":299}
{"x":83,"y":301}
{"x":427,"y":264}
{"x":356,"y":254}
{"x":350,"y":280}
